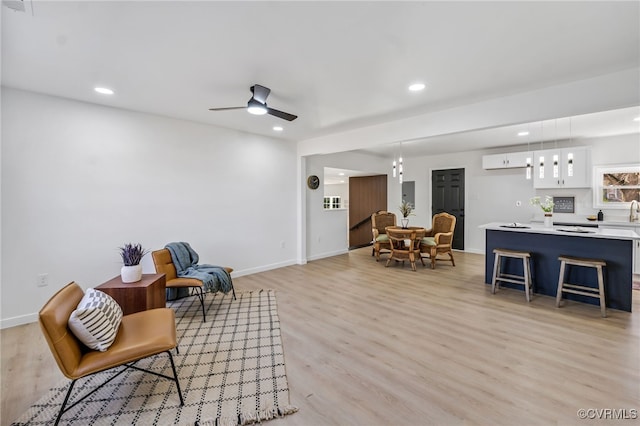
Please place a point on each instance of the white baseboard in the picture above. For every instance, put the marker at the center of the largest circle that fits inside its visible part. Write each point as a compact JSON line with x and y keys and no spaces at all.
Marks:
{"x":472,"y":250}
{"x":29,"y":318}
{"x":263,"y":268}
{"x":20,"y":320}
{"x":328,"y":254}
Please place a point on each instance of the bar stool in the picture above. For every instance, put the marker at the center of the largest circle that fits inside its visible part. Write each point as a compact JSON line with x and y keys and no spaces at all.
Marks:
{"x":564,"y":287}
{"x":498,"y":275}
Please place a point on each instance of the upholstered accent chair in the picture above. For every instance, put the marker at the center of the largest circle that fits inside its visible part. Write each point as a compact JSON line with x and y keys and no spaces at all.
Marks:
{"x":438,"y":239}
{"x":379,"y":222}
{"x":140,"y":335}
{"x":164,"y":265}
{"x":405,"y":244}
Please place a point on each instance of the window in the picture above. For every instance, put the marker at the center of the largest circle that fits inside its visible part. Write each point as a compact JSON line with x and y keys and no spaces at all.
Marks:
{"x":616,"y":186}
{"x":332,"y":202}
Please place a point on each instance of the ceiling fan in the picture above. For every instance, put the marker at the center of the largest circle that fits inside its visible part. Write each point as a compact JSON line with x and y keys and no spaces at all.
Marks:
{"x":258,"y":104}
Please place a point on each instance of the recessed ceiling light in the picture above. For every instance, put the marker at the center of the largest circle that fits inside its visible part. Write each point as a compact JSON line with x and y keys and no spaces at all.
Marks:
{"x":636,"y":119}
{"x":525,"y":133}
{"x":103,"y":90}
{"x":416,"y":87}
{"x":278,"y":128}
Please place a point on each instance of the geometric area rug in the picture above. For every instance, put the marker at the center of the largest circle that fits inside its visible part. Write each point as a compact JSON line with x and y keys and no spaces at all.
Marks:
{"x":231,"y":371}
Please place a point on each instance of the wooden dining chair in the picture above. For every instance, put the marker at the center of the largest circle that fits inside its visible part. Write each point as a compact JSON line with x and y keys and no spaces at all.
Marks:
{"x":405,"y":244}
{"x":379,"y":222}
{"x":439,"y":238}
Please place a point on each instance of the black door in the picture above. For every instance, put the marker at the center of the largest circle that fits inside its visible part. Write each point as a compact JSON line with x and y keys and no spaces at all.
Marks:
{"x":447,"y":189}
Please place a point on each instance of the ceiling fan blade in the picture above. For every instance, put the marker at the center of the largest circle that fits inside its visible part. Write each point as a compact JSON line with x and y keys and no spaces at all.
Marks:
{"x":227,"y":108}
{"x":260,"y":93}
{"x":281,"y":114}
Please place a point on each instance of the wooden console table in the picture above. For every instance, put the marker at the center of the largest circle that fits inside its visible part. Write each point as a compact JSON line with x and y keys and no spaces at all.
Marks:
{"x":148,"y":293}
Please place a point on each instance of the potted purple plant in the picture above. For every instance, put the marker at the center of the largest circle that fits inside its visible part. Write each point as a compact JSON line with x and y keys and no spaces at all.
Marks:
{"x":131,"y":254}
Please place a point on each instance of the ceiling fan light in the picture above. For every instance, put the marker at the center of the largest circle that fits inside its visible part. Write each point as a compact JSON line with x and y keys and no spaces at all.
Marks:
{"x":256,"y":108}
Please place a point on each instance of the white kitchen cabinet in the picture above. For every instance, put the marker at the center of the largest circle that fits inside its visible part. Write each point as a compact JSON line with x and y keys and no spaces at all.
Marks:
{"x":562,"y":168}
{"x":506,"y":161}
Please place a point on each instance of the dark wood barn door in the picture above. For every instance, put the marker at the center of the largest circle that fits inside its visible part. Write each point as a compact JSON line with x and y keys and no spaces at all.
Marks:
{"x":367,"y":195}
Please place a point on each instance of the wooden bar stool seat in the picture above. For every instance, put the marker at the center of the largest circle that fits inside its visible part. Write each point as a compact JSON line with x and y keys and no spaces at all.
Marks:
{"x":498,"y":275}
{"x":564,"y":287}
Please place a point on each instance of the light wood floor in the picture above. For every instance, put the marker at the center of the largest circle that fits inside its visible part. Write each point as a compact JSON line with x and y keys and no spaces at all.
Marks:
{"x":365,"y":344}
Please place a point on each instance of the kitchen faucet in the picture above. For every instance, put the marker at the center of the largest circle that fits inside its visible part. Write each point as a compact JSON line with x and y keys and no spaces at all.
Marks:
{"x":633,"y":211}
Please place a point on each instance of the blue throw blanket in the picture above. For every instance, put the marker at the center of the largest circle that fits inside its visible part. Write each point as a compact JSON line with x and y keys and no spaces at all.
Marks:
{"x":214,"y":278}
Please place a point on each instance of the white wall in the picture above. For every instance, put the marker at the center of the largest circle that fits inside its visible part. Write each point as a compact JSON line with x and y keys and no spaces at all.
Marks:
{"x":79,"y":180}
{"x":327,"y":230}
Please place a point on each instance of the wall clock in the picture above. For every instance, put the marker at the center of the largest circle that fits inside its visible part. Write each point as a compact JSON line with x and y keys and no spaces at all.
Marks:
{"x":313,"y":182}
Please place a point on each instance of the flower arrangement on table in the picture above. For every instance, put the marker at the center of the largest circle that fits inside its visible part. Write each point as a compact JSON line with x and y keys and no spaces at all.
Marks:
{"x":546,"y":205}
{"x":407,"y":210}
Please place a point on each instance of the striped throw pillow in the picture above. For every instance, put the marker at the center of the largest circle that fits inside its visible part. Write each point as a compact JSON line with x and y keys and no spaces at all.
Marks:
{"x":96,"y":320}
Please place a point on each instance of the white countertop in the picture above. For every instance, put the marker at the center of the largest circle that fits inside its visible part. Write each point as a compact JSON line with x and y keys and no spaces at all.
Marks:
{"x":585,"y":222}
{"x":568,"y":231}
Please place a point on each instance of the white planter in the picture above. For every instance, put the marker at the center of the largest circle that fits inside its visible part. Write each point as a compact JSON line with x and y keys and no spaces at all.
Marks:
{"x":131,"y":274}
{"x":548,"y":220}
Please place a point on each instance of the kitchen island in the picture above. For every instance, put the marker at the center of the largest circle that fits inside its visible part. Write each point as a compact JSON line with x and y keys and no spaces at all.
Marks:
{"x":615,"y":246}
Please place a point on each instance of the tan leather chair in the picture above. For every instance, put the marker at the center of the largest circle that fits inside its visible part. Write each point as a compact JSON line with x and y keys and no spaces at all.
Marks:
{"x":405,"y":244}
{"x":438,"y":239}
{"x":379,"y":222}
{"x":141,"y":335}
{"x":164,"y":265}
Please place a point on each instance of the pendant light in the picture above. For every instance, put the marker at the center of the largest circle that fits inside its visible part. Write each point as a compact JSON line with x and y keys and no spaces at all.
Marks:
{"x":529,"y":166}
{"x":541,"y":159}
{"x":400,"y":167}
{"x":556,"y":172}
{"x":397,"y":168}
{"x":570,"y":154}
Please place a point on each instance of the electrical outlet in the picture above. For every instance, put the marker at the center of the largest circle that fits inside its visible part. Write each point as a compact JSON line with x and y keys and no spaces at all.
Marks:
{"x":42,"y":280}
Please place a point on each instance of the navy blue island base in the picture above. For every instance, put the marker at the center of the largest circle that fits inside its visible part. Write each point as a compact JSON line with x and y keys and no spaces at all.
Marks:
{"x":545,"y":249}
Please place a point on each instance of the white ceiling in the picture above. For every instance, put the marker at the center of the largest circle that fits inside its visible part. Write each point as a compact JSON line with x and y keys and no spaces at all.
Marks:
{"x":573,"y":129}
{"x":337,"y":65}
